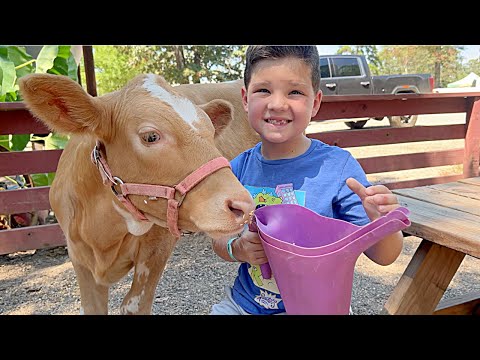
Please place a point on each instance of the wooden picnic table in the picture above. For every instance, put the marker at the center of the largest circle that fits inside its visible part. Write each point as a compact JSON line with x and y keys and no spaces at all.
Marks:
{"x":447,"y":218}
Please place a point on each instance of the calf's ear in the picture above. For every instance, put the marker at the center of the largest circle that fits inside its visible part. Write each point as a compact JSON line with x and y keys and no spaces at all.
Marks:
{"x":61,"y":103}
{"x":220,"y":113}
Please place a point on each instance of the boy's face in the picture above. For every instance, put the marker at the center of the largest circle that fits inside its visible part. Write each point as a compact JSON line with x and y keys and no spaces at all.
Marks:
{"x":280,"y":100}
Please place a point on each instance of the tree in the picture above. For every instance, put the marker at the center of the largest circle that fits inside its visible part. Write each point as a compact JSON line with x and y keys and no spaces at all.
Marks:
{"x":442,"y":61}
{"x":112,"y":70}
{"x":472,"y":66}
{"x":178,"y":64}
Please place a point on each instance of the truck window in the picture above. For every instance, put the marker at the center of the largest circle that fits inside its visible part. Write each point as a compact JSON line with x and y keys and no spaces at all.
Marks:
{"x":343,"y":66}
{"x":324,"y":68}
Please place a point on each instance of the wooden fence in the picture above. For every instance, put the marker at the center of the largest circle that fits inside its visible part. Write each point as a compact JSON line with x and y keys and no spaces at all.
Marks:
{"x":15,"y":119}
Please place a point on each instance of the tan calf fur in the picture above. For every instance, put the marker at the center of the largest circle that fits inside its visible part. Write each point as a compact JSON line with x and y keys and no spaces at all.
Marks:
{"x":151,"y":135}
{"x":237,"y":135}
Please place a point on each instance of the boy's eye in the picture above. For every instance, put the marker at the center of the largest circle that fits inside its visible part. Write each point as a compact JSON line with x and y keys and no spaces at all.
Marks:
{"x":296,"y":92}
{"x":263,"y":90}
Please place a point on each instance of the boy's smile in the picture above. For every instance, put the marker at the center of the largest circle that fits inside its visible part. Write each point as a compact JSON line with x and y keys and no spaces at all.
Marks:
{"x":278,"y":121}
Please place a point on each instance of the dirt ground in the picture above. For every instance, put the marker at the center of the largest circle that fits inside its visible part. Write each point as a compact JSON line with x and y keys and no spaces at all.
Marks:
{"x":43,"y":281}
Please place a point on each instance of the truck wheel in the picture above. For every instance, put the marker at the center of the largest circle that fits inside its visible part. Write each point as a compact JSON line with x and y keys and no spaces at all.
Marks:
{"x":356,"y":124}
{"x":403,"y":121}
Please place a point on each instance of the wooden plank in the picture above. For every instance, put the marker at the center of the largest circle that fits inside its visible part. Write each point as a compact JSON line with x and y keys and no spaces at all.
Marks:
{"x":30,"y":238}
{"x":461,"y":305}
{"x":460,"y":189}
{"x":448,"y":227}
{"x":20,"y":122}
{"x":422,"y":182}
{"x":375,"y":106}
{"x":14,"y":105}
{"x":424,"y":281}
{"x":473,"y":181}
{"x":29,"y":162}
{"x":380,"y":164}
{"x":433,"y":195}
{"x":384,"y":136}
{"x":468,"y":95}
{"x":24,"y":200}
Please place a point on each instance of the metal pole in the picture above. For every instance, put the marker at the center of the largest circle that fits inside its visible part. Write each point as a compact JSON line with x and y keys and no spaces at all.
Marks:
{"x":89,"y":69}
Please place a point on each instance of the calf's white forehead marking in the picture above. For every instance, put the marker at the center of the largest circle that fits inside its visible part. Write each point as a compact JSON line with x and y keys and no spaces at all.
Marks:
{"x":182,"y":106}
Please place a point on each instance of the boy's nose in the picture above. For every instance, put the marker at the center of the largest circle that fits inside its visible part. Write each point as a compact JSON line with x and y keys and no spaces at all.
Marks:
{"x":277,"y":103}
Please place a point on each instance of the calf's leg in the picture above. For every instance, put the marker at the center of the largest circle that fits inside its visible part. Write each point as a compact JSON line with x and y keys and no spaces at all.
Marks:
{"x":153,"y":253}
{"x":94,"y":297}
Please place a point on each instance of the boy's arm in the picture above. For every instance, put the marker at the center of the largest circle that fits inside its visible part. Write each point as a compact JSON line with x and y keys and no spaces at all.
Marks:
{"x":378,"y":200}
{"x":219,"y":246}
{"x":387,"y":250}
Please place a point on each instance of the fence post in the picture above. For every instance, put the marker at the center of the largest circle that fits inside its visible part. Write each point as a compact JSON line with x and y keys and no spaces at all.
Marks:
{"x":471,"y":157}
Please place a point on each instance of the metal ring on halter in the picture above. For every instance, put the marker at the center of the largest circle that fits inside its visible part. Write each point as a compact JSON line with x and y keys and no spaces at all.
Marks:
{"x":116,"y":182}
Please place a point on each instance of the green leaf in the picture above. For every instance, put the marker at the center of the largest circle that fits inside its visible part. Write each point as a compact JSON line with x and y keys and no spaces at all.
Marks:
{"x":11,"y":96}
{"x":40,"y":179}
{"x":18,"y":55}
{"x":19,"y":142}
{"x":8,"y":77}
{"x":51,"y":177}
{"x":60,"y":67}
{"x":72,"y":68}
{"x":64,"y":51}
{"x":46,"y":58}
{"x":56,"y":141}
{"x":5,"y":141}
{"x":43,"y":179}
{"x":4,"y":53}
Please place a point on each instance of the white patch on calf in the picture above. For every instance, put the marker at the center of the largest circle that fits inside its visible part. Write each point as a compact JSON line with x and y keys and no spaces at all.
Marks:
{"x":182,"y":106}
{"x":134,"y":227}
{"x":132,"y":305}
{"x":142,"y":270}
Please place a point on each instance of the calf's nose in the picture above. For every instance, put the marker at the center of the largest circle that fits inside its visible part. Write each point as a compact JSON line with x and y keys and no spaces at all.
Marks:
{"x":241,"y":209}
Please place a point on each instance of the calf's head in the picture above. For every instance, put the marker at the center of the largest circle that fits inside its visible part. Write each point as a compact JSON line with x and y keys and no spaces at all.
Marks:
{"x":148,"y":134}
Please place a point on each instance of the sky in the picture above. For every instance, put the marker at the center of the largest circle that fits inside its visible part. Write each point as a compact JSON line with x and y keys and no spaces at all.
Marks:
{"x":470,"y":51}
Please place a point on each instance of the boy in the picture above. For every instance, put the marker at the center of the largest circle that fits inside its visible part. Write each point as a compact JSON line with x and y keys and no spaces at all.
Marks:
{"x":281,"y":95}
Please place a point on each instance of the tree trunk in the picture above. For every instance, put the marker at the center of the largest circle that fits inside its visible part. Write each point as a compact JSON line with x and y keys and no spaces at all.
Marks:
{"x":437,"y":76}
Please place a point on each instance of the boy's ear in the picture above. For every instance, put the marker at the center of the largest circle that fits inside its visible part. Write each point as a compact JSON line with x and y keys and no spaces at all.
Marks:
{"x":317,"y":101}
{"x":244,"y":98}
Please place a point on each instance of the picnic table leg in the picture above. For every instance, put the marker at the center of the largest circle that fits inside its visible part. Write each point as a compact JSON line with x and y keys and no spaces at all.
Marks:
{"x":424,"y":281}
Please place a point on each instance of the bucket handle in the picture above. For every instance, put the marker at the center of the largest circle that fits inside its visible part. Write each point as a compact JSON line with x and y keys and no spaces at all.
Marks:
{"x":264,"y":268}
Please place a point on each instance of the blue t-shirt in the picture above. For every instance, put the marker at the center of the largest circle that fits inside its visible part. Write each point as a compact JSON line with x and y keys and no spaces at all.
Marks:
{"x":315,"y":179}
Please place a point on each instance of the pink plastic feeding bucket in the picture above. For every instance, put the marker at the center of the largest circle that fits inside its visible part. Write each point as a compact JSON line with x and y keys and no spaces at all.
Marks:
{"x":313,"y":257}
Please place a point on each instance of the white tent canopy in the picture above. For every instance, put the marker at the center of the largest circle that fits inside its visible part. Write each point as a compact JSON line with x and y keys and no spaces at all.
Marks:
{"x":471,"y":80}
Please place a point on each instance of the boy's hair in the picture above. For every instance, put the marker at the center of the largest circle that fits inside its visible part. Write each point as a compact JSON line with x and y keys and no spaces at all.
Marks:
{"x":309,"y":54}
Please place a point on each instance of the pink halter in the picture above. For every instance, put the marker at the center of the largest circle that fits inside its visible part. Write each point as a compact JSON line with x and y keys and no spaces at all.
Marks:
{"x":155,"y":191}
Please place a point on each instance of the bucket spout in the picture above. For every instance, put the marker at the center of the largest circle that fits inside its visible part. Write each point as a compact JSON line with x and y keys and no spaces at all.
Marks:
{"x":297,"y":229}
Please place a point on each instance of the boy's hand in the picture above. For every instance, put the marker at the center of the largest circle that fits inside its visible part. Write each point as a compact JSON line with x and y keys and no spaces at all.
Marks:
{"x":376,"y":199}
{"x":249,"y":248}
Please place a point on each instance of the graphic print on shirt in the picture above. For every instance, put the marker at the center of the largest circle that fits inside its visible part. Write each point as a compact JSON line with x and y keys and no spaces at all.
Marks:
{"x":264,"y":196}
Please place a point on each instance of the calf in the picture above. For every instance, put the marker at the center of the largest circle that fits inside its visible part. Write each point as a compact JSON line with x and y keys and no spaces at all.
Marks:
{"x":141,"y":166}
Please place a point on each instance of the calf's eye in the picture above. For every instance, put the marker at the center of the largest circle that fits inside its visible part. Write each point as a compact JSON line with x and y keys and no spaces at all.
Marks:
{"x":150,"y":137}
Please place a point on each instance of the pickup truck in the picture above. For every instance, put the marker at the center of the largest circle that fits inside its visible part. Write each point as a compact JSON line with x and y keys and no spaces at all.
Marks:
{"x":350,"y":75}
